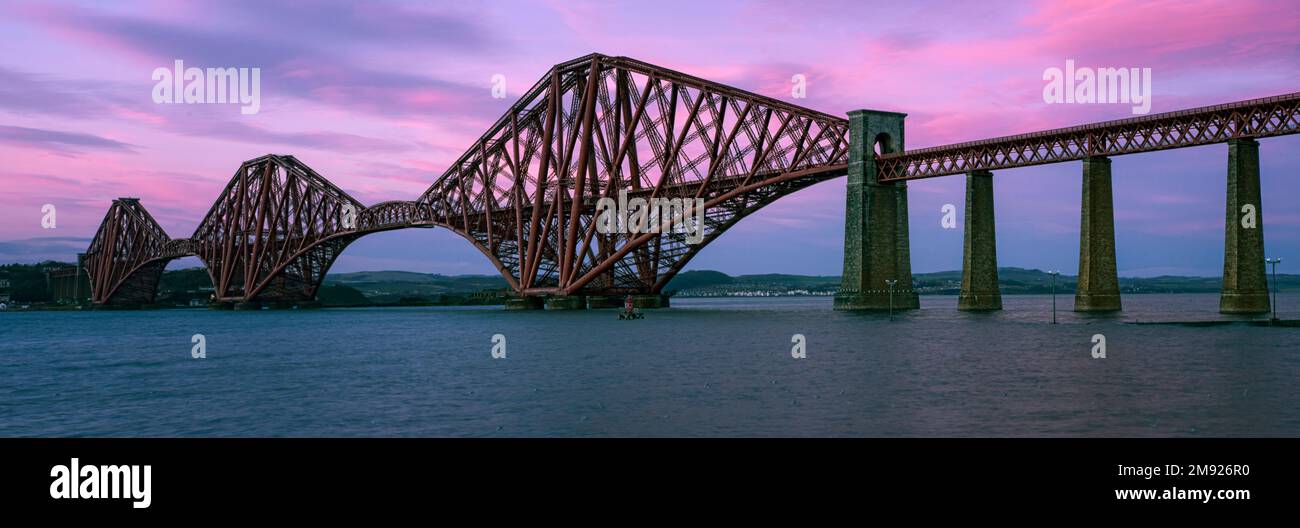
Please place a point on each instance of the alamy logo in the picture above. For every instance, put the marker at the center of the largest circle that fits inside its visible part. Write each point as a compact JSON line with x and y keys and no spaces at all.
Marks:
{"x":1098,"y":346}
{"x":213,"y":85}
{"x":498,"y":346}
{"x":800,"y":348}
{"x":49,"y":218}
{"x":799,"y":86}
{"x":102,"y":482}
{"x":348,"y":216}
{"x":949,"y":219}
{"x":1248,"y":216}
{"x":658,"y":215}
{"x":498,"y":86}
{"x":200,"y":348}
{"x":1100,"y":85}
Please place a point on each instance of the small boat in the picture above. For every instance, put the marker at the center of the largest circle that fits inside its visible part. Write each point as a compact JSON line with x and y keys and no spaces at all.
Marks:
{"x":629,"y":311}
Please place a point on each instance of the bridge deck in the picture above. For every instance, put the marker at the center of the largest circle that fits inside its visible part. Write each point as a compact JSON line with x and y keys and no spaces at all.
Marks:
{"x":1255,"y":118}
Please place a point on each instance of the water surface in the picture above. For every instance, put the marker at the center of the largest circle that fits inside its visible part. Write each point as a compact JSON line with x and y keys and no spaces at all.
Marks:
{"x":706,"y":367}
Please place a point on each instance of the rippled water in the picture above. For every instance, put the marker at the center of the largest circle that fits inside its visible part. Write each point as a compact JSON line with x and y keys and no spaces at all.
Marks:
{"x":704,"y":367}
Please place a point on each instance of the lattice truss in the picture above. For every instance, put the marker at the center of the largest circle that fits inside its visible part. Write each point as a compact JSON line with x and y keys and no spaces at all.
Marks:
{"x":526,"y":192}
{"x":127,"y":255}
{"x":1256,"y":118}
{"x":275,"y":231}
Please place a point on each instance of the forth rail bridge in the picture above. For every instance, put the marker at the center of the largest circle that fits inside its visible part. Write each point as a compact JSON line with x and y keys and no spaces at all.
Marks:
{"x":525,"y":195}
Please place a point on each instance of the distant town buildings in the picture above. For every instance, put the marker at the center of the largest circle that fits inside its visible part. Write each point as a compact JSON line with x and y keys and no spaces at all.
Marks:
{"x":732,"y":291}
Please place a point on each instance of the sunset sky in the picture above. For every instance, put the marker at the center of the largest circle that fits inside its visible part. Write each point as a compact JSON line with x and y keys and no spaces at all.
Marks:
{"x":380,"y":98}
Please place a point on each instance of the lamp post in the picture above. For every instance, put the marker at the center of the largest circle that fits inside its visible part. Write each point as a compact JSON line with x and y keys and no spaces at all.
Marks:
{"x":1053,"y":274}
{"x":1274,"y":262}
{"x":891,"y":283}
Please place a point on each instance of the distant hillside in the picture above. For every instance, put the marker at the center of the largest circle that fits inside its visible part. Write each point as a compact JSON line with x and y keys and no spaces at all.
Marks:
{"x":341,"y":295}
{"x":699,"y":279}
{"x":182,"y":287}
{"x":406,"y":287}
{"x":452,"y":282}
{"x":1012,"y":281}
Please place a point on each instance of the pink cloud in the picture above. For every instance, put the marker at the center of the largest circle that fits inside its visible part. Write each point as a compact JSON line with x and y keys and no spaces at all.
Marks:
{"x":382,"y":102}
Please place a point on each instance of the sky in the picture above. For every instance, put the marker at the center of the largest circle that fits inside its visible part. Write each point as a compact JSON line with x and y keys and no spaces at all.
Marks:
{"x":381,"y":97}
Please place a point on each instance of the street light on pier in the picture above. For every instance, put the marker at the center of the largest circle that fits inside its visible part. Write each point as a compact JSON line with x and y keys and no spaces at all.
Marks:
{"x":891,"y":283}
{"x":1274,"y":262}
{"x":1053,"y":274}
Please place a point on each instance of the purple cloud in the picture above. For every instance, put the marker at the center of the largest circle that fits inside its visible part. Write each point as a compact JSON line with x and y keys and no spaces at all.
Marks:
{"x":58,"y":141}
{"x":293,"y":50}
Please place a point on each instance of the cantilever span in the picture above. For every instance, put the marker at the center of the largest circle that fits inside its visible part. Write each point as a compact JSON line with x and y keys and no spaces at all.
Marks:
{"x":127,"y":255}
{"x":525,"y":194}
{"x":597,"y":126}
{"x":271,"y":235}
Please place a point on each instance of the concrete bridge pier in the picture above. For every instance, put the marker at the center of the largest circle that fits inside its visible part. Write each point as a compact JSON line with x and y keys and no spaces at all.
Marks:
{"x":599,"y":302}
{"x":524,"y":303}
{"x":1245,"y":286}
{"x":566,"y":302}
{"x":979,"y":270}
{"x":650,"y":301}
{"x":642,"y":301}
{"x":876,"y":243}
{"x":1098,"y":288}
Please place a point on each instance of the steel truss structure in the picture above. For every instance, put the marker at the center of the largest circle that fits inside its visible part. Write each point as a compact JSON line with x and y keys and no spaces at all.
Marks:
{"x":525,"y":193}
{"x":127,"y":256}
{"x":598,"y":126}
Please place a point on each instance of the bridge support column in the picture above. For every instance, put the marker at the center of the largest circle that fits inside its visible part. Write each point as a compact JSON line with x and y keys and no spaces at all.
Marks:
{"x":979,"y":269}
{"x":876,"y":244}
{"x":293,"y":305}
{"x":524,"y":303}
{"x":1098,"y":288}
{"x":566,"y":302}
{"x":1245,"y":286}
{"x":643,"y":301}
{"x":650,"y":301}
{"x":597,"y":302}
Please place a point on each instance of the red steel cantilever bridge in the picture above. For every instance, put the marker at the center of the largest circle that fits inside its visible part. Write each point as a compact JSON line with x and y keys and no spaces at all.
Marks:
{"x":524,"y":193}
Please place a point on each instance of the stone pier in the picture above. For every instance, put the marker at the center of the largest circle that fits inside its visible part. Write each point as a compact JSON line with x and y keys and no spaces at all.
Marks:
{"x":566,"y":302}
{"x":524,"y":303}
{"x":979,"y":267}
{"x":876,"y":244}
{"x":642,"y":301}
{"x":1098,"y":289}
{"x":650,"y":301}
{"x":1245,"y":286}
{"x":600,"y":302}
